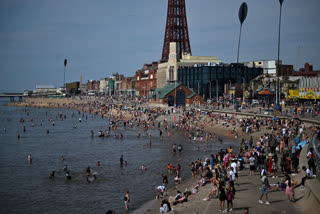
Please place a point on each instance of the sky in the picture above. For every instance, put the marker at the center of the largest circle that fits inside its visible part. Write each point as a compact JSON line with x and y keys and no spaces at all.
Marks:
{"x":101,"y":37}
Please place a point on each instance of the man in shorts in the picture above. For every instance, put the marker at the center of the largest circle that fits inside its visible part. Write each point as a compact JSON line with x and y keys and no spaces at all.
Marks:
{"x":264,"y":188}
{"x":252,"y":164}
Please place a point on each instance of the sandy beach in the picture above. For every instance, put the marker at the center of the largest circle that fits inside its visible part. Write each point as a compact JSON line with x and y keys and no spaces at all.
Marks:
{"x":247,"y":193}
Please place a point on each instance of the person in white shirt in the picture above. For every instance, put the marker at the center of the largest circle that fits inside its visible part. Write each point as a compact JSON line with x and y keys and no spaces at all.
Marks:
{"x":234,"y":167}
{"x":232,"y":175}
{"x":252,"y":165}
{"x":307,"y":176}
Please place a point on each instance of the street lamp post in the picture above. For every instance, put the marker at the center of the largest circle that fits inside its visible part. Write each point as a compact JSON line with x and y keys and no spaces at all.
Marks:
{"x":210,"y":89}
{"x":231,"y":92}
{"x":277,"y":79}
{"x":243,"y":90}
{"x":217,"y":95}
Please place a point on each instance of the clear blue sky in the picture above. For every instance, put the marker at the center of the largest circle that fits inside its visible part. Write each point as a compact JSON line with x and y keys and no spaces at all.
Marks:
{"x":100,"y":37}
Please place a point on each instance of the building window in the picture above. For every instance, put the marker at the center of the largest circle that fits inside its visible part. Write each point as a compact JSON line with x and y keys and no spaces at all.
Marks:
{"x":171,"y":73}
{"x":151,"y":76}
{"x":138,"y":78}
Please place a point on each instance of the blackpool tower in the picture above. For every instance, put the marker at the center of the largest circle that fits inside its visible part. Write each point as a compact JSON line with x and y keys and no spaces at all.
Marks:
{"x":176,"y":29}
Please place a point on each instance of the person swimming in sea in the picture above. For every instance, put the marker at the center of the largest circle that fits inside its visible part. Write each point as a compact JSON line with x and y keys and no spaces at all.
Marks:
{"x":30,"y":158}
{"x":121,"y":160}
{"x":88,"y":171}
{"x":51,"y":176}
{"x":68,"y":175}
{"x":143,"y":167}
{"x":91,"y":178}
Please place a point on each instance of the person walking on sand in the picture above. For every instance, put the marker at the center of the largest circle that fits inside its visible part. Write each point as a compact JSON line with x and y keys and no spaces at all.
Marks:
{"x":264,"y":188}
{"x":289,"y":188}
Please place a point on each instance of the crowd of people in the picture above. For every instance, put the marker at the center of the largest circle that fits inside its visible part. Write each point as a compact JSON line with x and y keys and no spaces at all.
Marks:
{"x":276,"y":151}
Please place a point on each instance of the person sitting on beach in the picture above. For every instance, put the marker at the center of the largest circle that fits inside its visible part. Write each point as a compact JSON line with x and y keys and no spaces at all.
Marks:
{"x":213,"y":193}
{"x":165,"y":206}
{"x":201,"y":183}
{"x":181,"y":199}
{"x":208,"y":174}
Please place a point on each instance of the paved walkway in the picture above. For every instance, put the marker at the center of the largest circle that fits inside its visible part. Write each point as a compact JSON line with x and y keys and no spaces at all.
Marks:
{"x":247,"y":195}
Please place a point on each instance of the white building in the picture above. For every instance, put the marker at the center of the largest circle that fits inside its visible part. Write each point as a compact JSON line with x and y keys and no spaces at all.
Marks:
{"x":269,"y":66}
{"x":44,"y":90}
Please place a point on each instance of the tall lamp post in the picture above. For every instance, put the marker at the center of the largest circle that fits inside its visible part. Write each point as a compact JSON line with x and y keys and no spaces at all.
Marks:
{"x":243,"y":11}
{"x":277,"y":80}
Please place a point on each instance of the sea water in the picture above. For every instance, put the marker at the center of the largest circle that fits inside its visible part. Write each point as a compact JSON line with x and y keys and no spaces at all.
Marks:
{"x":26,"y":188}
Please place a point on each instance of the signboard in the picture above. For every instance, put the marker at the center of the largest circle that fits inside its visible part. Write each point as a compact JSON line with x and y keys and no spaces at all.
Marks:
{"x":293,"y":94}
{"x":246,"y":94}
{"x":310,"y":94}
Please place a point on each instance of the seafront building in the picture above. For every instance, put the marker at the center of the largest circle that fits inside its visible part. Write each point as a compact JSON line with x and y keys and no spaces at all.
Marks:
{"x":167,"y":71}
{"x":146,"y":80}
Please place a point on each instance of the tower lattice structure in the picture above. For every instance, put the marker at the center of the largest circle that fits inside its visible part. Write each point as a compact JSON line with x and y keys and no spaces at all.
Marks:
{"x":176,"y":29}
